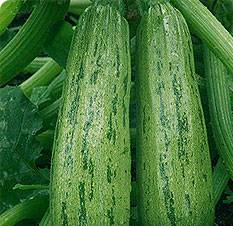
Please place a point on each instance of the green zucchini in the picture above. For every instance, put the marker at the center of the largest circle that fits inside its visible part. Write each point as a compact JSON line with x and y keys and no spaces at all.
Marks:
{"x":209,"y":29}
{"x":173,"y":163}
{"x":90,"y":176}
{"x":220,"y":107}
{"x":28,"y":42}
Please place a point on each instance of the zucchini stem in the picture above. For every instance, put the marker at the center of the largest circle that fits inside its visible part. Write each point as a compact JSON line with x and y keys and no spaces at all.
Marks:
{"x":46,"y":219}
{"x":32,"y":208}
{"x":50,"y":111}
{"x":28,"y":42}
{"x":35,"y":65}
{"x":42,"y":77}
{"x":220,"y":180}
{"x":78,"y":6}
{"x":220,"y":107}
{"x":30,"y":187}
{"x":8,"y":11}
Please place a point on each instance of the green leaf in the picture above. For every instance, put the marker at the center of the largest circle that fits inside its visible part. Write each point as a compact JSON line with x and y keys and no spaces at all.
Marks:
{"x":19,"y":123}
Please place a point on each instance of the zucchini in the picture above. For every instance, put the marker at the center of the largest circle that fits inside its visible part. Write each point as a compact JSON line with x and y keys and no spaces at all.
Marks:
{"x":173,"y":161}
{"x":220,"y":107}
{"x":90,"y":176}
{"x":28,"y":42}
{"x":209,"y":29}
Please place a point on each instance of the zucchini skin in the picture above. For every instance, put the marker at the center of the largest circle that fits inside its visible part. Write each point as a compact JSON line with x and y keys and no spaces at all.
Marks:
{"x":173,"y":162}
{"x":90,"y":176}
{"x":220,"y":107}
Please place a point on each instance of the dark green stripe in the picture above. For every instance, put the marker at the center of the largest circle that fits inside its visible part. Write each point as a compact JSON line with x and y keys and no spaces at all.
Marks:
{"x":188,"y":204}
{"x":168,"y":195}
{"x":110,"y":216}
{"x":64,"y":216}
{"x":94,"y":77}
{"x":125,"y":86}
{"x":111,"y":134}
{"x":182,"y":127}
{"x":91,"y":172}
{"x":86,"y":129}
{"x":82,"y":211}
{"x":118,"y":72}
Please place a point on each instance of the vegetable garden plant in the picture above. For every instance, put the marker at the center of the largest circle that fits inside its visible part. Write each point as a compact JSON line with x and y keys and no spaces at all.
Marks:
{"x":116,"y":112}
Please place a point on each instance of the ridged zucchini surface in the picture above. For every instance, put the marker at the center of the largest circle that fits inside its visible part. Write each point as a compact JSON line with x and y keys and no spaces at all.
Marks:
{"x":90,"y":178}
{"x":173,"y":162}
{"x":220,"y":107}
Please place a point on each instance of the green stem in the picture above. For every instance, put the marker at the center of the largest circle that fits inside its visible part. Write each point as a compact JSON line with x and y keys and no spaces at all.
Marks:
{"x":30,"y":187}
{"x":8,"y":11}
{"x":28,"y":42}
{"x":54,"y":90}
{"x":42,"y":77}
{"x":46,"y":138}
{"x":116,"y":4}
{"x":78,"y":6}
{"x":209,"y":29}
{"x":35,"y":65}
{"x":220,"y":107}
{"x":50,"y":111}
{"x":46,"y":219}
{"x":32,"y":208}
{"x":80,"y":3}
{"x":220,"y":180}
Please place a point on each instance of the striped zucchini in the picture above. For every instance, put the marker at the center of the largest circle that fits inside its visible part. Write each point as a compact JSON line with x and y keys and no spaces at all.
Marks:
{"x":220,"y":107}
{"x":90,"y":176}
{"x":173,"y":163}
